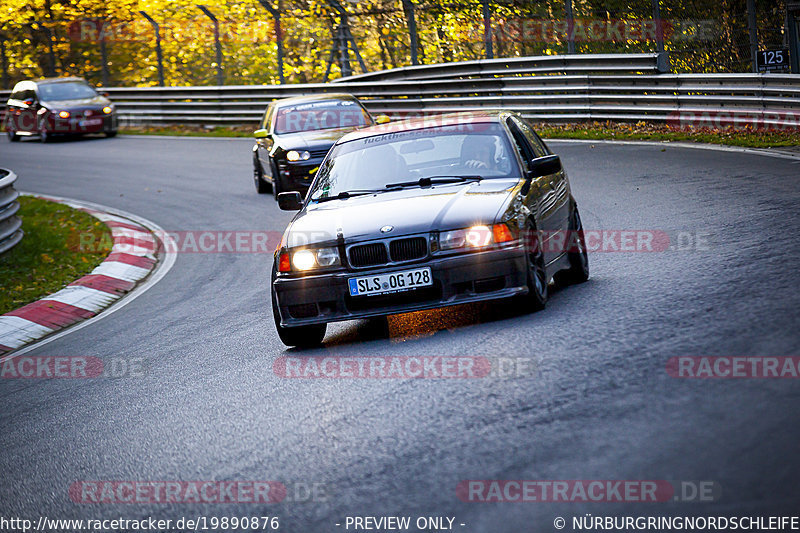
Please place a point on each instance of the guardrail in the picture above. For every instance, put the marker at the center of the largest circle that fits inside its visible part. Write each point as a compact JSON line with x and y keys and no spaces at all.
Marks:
{"x":10,"y":223}
{"x":770,"y":99}
{"x":516,"y":66}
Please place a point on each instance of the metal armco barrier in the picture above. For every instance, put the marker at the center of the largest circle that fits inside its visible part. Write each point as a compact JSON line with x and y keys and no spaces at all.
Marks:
{"x":560,"y":90}
{"x":10,"y":224}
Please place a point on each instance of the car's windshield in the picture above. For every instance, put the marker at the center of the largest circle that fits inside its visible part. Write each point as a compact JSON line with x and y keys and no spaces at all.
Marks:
{"x":372,"y":163}
{"x":324,"y":115}
{"x":74,"y":90}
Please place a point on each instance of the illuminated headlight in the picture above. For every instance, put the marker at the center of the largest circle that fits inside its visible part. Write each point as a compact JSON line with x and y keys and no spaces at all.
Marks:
{"x":321,"y":257}
{"x":474,"y":237}
{"x":294,"y":155}
{"x":63,"y":114}
{"x":108,"y":109}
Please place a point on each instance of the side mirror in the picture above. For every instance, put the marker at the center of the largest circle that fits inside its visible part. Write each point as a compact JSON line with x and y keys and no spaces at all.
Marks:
{"x":541,"y":166}
{"x":382,"y":119}
{"x":105,"y":94}
{"x":29,"y":101}
{"x":290,"y":201}
{"x":544,"y":166}
{"x":261,"y":134}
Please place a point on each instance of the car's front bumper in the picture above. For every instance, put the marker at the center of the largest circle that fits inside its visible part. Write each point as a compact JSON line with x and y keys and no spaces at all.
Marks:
{"x":298,"y":175}
{"x":457,"y":279}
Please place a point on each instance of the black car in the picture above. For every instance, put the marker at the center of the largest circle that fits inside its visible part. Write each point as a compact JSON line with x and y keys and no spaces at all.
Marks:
{"x":58,"y":106}
{"x":423,"y":214}
{"x":295,"y":135}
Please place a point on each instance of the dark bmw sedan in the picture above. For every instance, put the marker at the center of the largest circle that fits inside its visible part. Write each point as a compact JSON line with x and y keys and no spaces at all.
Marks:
{"x":295,"y":135}
{"x":58,"y":106}
{"x":422,"y":214}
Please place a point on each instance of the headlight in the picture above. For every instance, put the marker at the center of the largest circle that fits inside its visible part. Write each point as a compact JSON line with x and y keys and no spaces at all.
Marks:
{"x":475,"y":237}
{"x":294,"y":155}
{"x":108,"y":109}
{"x":307,"y":259}
{"x":63,"y":114}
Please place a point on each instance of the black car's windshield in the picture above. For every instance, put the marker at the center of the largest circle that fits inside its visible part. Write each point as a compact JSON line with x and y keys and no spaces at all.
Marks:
{"x":447,"y":154}
{"x":73,"y":90}
{"x":324,"y":115}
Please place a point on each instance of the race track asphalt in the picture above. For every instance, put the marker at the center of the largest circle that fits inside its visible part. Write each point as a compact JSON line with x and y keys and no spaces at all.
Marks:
{"x":600,"y":406}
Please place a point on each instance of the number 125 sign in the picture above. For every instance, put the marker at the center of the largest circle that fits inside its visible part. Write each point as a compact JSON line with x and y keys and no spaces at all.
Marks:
{"x":773,"y":60}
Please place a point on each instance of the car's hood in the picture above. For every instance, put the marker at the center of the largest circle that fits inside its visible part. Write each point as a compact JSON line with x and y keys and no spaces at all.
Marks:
{"x":408,"y":211}
{"x":311,"y":139}
{"x":81,"y":103}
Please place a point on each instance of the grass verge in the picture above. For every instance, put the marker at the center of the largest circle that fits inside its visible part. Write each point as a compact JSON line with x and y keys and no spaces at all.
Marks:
{"x":47,"y":258}
{"x":641,"y":131}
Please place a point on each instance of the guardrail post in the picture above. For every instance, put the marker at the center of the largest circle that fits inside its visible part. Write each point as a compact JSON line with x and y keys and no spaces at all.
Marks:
{"x":51,"y":56}
{"x":346,"y":36}
{"x":570,"y":27}
{"x":793,"y":23}
{"x":103,"y":52}
{"x":659,"y":26}
{"x":10,"y":224}
{"x":276,"y":15}
{"x":217,"y":46}
{"x":158,"y":48}
{"x":408,"y":8}
{"x":487,"y":29}
{"x":753,"y":30}
{"x":4,"y":59}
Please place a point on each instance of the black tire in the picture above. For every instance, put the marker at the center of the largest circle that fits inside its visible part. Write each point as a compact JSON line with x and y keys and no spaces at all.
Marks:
{"x":300,"y":336}
{"x":262,"y":187}
{"x":44,"y":135}
{"x":112,"y":133}
{"x":277,"y":185}
{"x":536,"y":298}
{"x":12,"y":135}
{"x":578,"y":270}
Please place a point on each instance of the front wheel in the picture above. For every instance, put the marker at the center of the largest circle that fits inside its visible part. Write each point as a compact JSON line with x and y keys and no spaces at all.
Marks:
{"x":277,"y":185}
{"x":578,"y":270}
{"x":536,"y":298}
{"x":112,"y":133}
{"x":300,"y":336}
{"x":44,"y":135}
{"x":262,"y":187}
{"x":12,"y":135}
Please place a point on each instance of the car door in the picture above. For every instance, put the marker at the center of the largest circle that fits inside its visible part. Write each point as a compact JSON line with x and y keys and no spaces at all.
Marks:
{"x":558,"y":182}
{"x":541,"y":197}
{"x":264,"y":145}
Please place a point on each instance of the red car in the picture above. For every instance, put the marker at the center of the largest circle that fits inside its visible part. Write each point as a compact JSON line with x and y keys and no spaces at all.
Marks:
{"x":58,"y":106}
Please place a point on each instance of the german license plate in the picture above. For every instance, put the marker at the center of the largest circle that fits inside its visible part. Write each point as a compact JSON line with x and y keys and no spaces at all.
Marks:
{"x":90,"y":122}
{"x":388,"y":283}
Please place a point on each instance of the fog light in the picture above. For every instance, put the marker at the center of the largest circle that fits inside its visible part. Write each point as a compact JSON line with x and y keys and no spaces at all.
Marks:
{"x":63,"y":114}
{"x":108,"y":109}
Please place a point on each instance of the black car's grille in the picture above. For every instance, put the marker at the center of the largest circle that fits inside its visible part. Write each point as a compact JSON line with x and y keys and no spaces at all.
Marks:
{"x":318,"y":153}
{"x":408,"y":249}
{"x":368,"y":255}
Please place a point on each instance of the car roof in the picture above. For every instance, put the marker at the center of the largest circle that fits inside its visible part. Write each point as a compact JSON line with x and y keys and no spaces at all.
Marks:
{"x":430,"y":121}
{"x":44,"y":81}
{"x":293,"y":100}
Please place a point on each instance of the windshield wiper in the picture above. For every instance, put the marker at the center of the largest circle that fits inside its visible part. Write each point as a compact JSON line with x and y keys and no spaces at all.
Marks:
{"x":430,"y":180}
{"x":346,"y":194}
